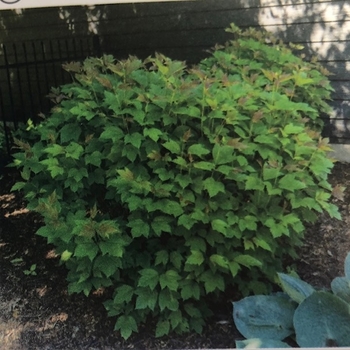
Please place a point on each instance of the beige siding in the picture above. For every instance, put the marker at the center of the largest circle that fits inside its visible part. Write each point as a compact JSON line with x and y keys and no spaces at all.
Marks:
{"x":185,"y":30}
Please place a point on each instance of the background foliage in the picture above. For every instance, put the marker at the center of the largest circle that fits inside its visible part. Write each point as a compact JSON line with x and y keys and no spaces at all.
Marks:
{"x":170,"y":184}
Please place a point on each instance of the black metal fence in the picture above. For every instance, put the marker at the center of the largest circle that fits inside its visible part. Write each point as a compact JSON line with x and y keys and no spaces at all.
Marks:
{"x":28,"y":70}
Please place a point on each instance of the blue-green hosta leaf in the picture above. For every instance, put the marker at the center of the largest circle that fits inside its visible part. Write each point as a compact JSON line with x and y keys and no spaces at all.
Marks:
{"x":264,"y":316}
{"x":347,"y":266}
{"x":297,"y":289}
{"x":320,"y":319}
{"x":341,"y":288}
{"x":259,"y":343}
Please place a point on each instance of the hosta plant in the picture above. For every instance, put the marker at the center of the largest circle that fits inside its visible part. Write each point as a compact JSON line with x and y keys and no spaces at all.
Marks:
{"x":169,"y":184}
{"x":315,"y":318}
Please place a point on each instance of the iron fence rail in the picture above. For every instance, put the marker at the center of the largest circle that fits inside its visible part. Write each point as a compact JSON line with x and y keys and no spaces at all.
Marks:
{"x":28,"y":70}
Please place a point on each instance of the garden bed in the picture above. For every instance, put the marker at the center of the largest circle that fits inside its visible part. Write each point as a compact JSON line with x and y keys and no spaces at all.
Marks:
{"x":37,"y":313}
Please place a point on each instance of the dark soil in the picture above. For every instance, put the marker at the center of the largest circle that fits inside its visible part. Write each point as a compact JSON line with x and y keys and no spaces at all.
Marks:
{"x":37,"y":313}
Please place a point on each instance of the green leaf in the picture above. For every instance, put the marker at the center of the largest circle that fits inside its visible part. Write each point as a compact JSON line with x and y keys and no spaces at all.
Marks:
{"x":222,"y":154}
{"x":254,"y":183}
{"x":180,"y":161}
{"x":219,"y":260}
{"x":169,"y":207}
{"x":213,"y":187}
{"x":183,"y":180}
{"x":219,"y":226}
{"x":146,"y":298}
{"x":198,"y":150}
{"x":190,"y":290}
{"x":163,"y":328}
{"x":190,"y":111}
{"x":234,"y":268}
{"x":176,"y":259}
{"x":162,"y":257}
{"x":108,"y":265}
{"x":86,"y":249}
{"x":293,"y":129}
{"x":152,"y":133}
{"x":169,"y":280}
{"x":66,"y":255}
{"x":113,"y":246}
{"x":247,"y":260}
{"x":161,"y":224}
{"x":192,"y":311}
{"x":172,"y":146}
{"x":123,"y":294}
{"x":204,"y":166}
{"x":135,"y":139}
{"x":149,"y":278}
{"x":175,"y":318}
{"x":139,"y":228}
{"x":17,"y":186}
{"x":196,"y":258}
{"x":212,"y":281}
{"x":54,"y":150}
{"x":94,"y":158}
{"x":186,"y":221}
{"x":126,"y":325}
{"x":290,"y":183}
{"x":70,"y":132}
{"x":74,"y":150}
{"x":113,"y":133}
{"x":271,"y":173}
{"x":167,"y":300}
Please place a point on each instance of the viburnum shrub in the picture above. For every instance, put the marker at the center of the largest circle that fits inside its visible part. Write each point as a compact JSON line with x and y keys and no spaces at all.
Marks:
{"x":169,"y":184}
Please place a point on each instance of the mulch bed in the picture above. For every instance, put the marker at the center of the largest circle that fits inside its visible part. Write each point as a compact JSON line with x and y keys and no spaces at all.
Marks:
{"x":37,"y":313}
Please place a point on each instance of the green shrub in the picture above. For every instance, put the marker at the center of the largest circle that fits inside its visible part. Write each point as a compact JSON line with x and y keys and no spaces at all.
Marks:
{"x":316,"y":318}
{"x":171,"y":184}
